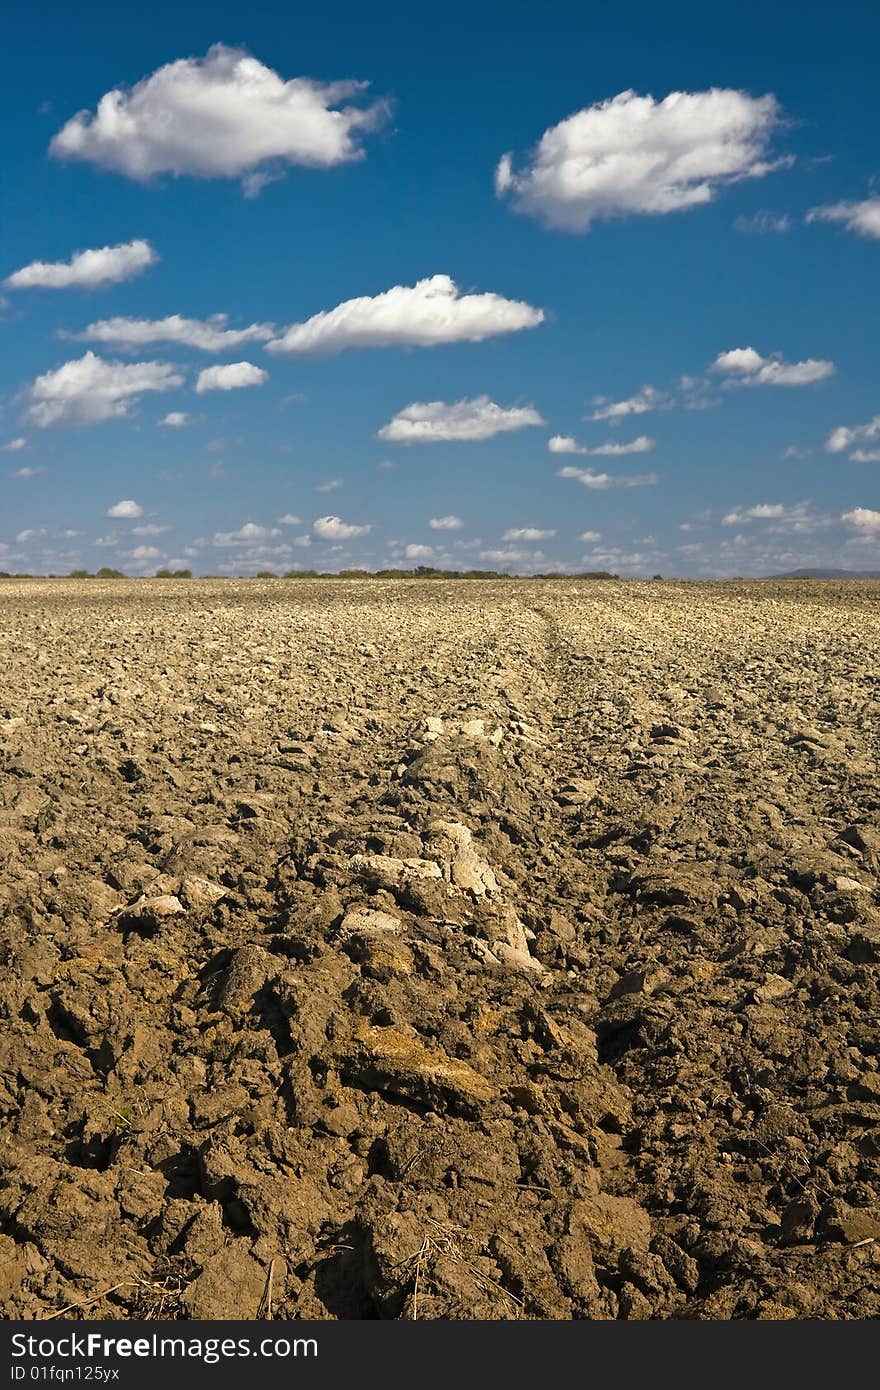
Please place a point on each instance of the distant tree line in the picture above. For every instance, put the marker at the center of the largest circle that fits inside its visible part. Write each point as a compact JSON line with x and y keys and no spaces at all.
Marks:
{"x":420,"y":572}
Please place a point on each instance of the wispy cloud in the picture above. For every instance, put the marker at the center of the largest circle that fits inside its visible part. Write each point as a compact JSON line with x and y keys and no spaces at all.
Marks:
{"x":863,"y":217}
{"x":208,"y":335}
{"x":602,"y":482}
{"x":565,"y":444}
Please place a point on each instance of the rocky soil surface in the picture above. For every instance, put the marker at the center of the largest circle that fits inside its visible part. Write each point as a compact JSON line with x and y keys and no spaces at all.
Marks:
{"x":448,"y":950}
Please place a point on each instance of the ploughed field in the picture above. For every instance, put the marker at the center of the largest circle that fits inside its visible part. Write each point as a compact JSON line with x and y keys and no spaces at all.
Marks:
{"x":448,"y":949}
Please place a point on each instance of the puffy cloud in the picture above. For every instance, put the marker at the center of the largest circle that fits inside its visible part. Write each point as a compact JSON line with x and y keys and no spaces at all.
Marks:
{"x":175,"y":419}
{"x":565,"y":444}
{"x":845,"y":436}
{"x":419,"y":552}
{"x":90,"y":389}
{"x":649,"y":398}
{"x":746,"y":367}
{"x":28,"y":472}
{"x":86,"y":270}
{"x":428,"y":422}
{"x":143,"y":553}
{"x":860,"y":217}
{"x":422,"y":315}
{"x":865,"y":456}
{"x":797,"y":518}
{"x":601,"y":482}
{"x":32,"y":533}
{"x":128,"y":509}
{"x":446,"y":523}
{"x":209,"y":335}
{"x":289,"y":520}
{"x":863,"y":519}
{"x":527,"y":533}
{"x":763,"y":512}
{"x":248,"y":534}
{"x":230,"y":377}
{"x":590,"y":536}
{"x":634,"y":155}
{"x":331,"y":485}
{"x":333,"y":528}
{"x":509,"y":555}
{"x":14,"y":445}
{"x":222,"y":116}
{"x":150,"y":530}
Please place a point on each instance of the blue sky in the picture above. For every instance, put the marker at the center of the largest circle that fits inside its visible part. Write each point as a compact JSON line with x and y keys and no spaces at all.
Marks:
{"x":643,"y":244}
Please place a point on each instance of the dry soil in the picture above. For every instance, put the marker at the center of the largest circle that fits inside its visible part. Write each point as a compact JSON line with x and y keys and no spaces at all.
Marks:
{"x":451,"y":950}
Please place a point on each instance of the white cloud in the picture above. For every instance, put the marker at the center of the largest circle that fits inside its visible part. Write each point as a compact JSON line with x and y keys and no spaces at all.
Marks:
{"x":865,"y":456}
{"x":175,"y":419}
{"x":86,"y":270}
{"x":288,"y":520}
{"x":128,"y":508}
{"x":860,"y":217}
{"x":222,"y":116}
{"x":14,"y":445}
{"x":845,"y":436}
{"x":446,"y":523}
{"x":248,"y":534}
{"x":427,"y":422}
{"x":764,"y":222}
{"x":332,"y":528}
{"x":419,"y":552}
{"x":150,"y":530}
{"x":90,"y":389}
{"x":565,"y":444}
{"x":33,"y":533}
{"x":864,"y":519}
{"x":209,"y":335}
{"x":28,"y":472}
{"x":590,"y":536}
{"x":649,"y":398}
{"x":331,"y":485}
{"x":764,"y":511}
{"x":422,"y":315}
{"x":601,"y":482}
{"x":797,"y":518}
{"x":634,"y":155}
{"x":509,"y":555}
{"x":527,"y":533}
{"x":746,"y":367}
{"x":230,"y":377}
{"x":145,"y":552}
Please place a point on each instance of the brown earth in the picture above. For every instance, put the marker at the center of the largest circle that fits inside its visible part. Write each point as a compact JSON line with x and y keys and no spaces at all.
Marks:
{"x":453,"y":950}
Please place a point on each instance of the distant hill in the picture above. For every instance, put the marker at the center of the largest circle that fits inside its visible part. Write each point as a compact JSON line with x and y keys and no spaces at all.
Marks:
{"x":828,"y":574}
